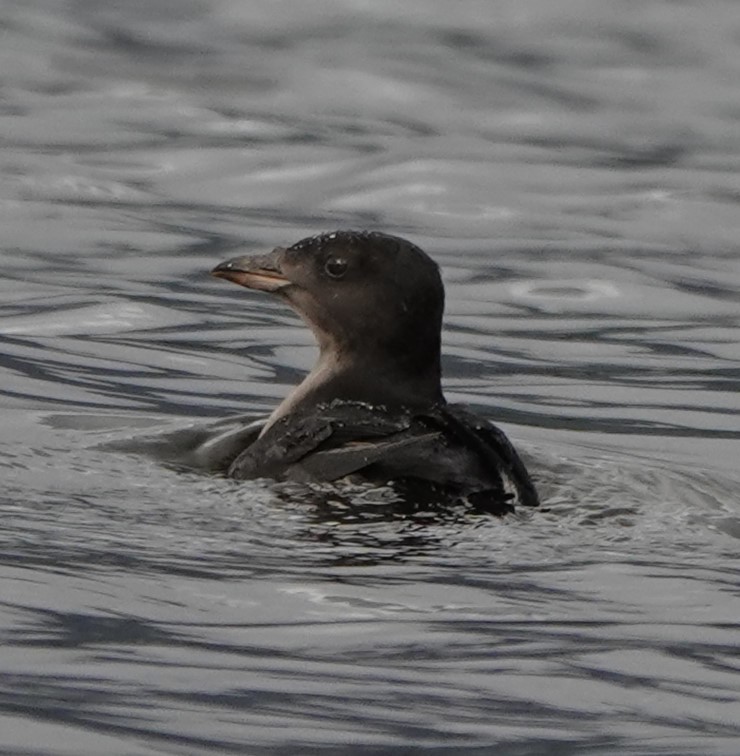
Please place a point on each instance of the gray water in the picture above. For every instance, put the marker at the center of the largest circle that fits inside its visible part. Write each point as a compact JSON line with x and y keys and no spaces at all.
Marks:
{"x":575,"y":168}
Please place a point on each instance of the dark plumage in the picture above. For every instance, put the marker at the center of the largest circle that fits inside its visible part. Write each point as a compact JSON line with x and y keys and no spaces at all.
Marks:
{"x":372,"y":407}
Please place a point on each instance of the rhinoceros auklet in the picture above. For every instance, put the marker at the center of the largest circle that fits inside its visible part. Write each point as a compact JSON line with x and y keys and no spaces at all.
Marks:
{"x":372,"y":407}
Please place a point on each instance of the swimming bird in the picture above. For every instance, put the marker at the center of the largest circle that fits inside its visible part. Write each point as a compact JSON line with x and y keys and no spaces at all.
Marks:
{"x":372,"y":407}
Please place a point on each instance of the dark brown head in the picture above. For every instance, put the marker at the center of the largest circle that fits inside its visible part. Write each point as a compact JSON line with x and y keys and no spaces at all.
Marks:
{"x":373,"y":301}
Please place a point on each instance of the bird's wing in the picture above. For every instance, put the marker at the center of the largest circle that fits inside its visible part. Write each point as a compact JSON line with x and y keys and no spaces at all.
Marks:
{"x":493,"y":448}
{"x":328,"y":443}
{"x":352,"y":456}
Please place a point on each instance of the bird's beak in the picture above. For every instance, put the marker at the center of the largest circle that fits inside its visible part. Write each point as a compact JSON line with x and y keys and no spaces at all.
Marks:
{"x":262,"y":272}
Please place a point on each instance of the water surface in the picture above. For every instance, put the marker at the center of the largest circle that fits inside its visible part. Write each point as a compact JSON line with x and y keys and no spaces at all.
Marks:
{"x":574,"y":169}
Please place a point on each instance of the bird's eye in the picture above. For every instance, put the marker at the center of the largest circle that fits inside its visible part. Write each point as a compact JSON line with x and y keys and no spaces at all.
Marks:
{"x":335,"y":267}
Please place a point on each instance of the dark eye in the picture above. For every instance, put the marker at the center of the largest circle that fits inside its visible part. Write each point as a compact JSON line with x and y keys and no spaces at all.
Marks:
{"x":335,"y":267}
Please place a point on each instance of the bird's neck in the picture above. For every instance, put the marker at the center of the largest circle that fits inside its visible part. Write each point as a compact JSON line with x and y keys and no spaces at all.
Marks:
{"x":365,"y":377}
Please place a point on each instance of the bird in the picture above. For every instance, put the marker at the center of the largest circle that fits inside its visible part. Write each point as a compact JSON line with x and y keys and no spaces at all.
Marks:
{"x":372,"y":408}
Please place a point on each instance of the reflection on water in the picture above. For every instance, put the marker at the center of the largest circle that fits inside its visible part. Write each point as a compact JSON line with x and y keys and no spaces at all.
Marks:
{"x":573,"y":167}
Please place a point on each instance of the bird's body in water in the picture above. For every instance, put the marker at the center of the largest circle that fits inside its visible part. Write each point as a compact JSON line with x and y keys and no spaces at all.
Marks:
{"x":372,"y":408}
